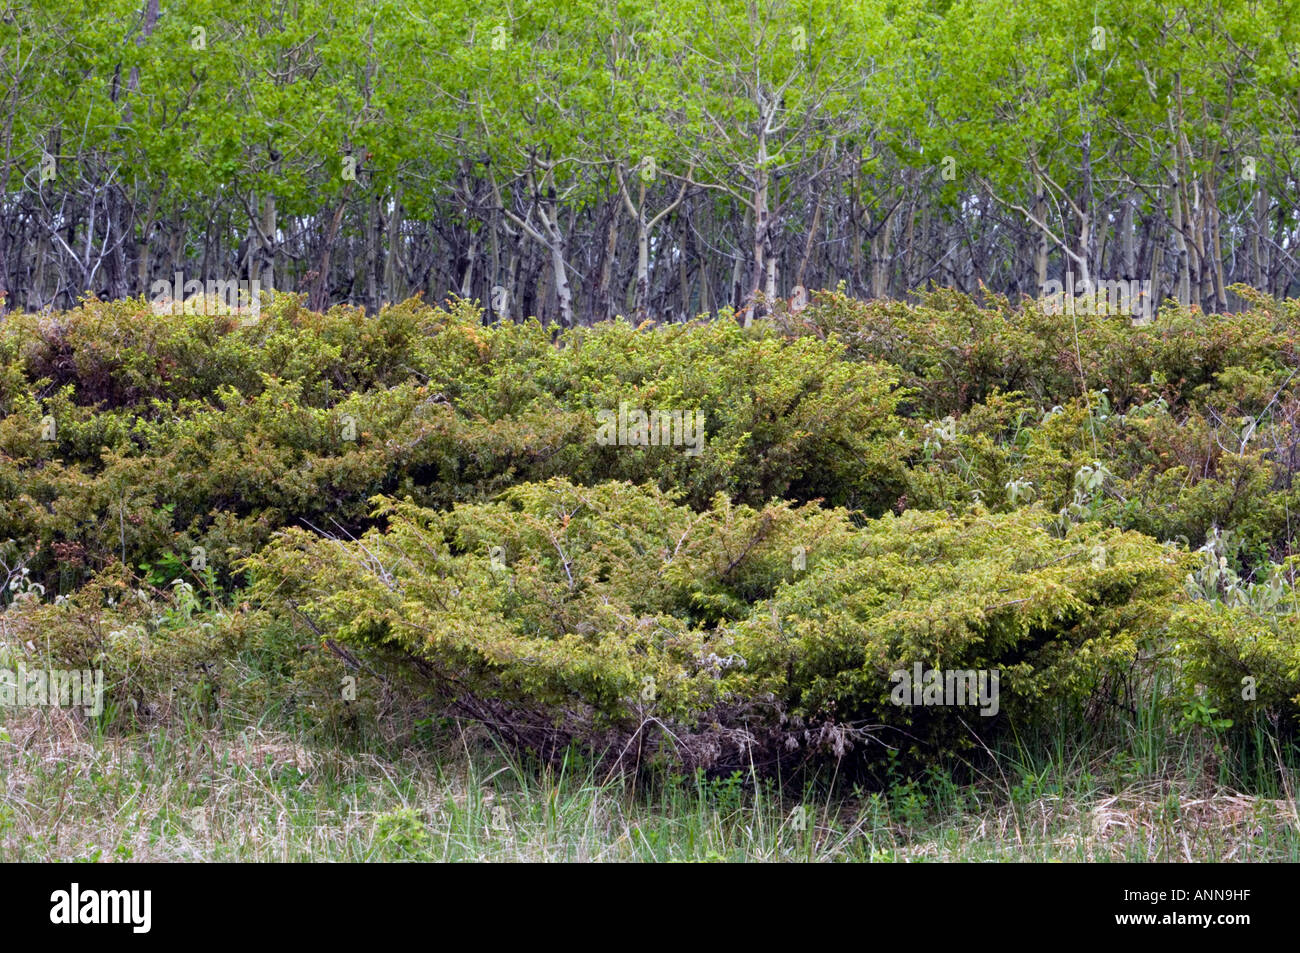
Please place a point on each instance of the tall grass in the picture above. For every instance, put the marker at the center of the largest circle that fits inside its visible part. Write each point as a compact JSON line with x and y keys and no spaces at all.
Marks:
{"x":196,"y":792}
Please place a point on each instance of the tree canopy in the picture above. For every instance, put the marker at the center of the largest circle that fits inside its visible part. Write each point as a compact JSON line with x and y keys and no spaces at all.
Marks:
{"x":584,"y":158}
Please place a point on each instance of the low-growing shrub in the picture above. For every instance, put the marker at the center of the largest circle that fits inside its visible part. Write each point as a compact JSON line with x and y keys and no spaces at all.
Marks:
{"x":305,"y":417}
{"x":423,"y":502}
{"x":614,"y":617}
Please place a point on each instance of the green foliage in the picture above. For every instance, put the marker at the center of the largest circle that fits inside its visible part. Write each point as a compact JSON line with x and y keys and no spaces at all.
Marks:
{"x":1241,"y":660}
{"x":1190,"y":418}
{"x":613,"y":616}
{"x":231,"y":517}
{"x":193,"y":431}
{"x":402,"y":835}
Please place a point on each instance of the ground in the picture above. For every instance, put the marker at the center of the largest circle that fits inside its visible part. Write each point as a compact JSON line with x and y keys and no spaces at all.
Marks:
{"x":188,"y":792}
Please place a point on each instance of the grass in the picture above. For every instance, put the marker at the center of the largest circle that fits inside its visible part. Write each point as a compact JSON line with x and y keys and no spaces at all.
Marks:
{"x":187,"y":791}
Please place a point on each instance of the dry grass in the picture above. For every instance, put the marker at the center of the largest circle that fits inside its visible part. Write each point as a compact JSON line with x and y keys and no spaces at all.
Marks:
{"x":181,"y":793}
{"x":1135,"y":825}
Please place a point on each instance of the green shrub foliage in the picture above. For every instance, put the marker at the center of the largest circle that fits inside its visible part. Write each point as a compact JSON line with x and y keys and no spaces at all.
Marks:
{"x":422,"y":498}
{"x":175,"y":432}
{"x":614,"y":616}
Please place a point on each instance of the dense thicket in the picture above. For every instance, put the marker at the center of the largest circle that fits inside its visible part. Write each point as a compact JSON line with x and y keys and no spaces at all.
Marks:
{"x":1078,"y":503}
{"x":580,"y":159}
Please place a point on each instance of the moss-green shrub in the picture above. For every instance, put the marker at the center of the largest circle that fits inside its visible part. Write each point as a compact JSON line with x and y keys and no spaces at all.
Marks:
{"x":1246,"y":662}
{"x":1015,"y":446}
{"x":954,"y":352}
{"x":612,"y":616}
{"x":176,"y":432}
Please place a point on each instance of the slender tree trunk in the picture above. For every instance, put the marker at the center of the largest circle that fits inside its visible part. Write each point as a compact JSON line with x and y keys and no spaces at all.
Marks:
{"x":1183,"y":284}
{"x":760,"y":226}
{"x":1259,"y":226}
{"x":683,"y":289}
{"x":269,"y":225}
{"x":1215,"y":246}
{"x":604,"y":291}
{"x":393,"y":285}
{"x":880,"y":255}
{"x":642,"y":293}
{"x":802,"y":271}
{"x":1127,"y":264}
{"x":737,"y":288}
